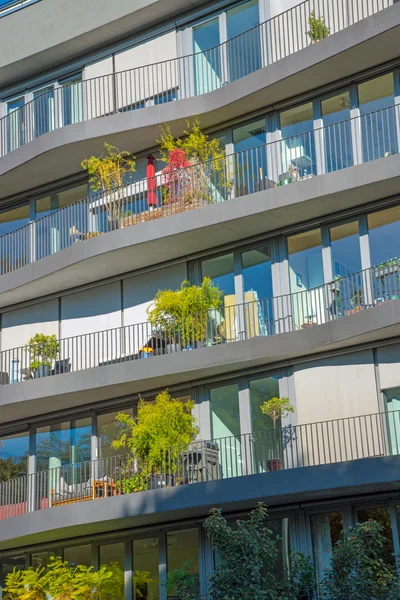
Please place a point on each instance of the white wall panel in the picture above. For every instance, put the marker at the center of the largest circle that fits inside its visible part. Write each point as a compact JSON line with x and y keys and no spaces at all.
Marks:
{"x":388,"y":358}
{"x":336,"y":387}
{"x":98,"y":90}
{"x":133,"y":86}
{"x":21,"y":324}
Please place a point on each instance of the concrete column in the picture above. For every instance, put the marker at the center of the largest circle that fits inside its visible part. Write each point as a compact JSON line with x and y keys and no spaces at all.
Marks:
{"x":223,"y":49}
{"x":31,"y":488}
{"x":162,"y":566}
{"x":128,"y":573}
{"x":365,"y":279}
{"x":245,"y":427}
{"x":186,"y":65}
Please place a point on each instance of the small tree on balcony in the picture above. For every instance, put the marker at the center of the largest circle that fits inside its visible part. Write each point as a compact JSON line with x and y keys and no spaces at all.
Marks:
{"x":106,"y":173}
{"x":43,"y":350}
{"x":206,"y":169}
{"x":159,"y":433}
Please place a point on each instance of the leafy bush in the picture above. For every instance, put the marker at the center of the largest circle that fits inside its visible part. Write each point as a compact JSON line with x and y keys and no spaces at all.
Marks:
{"x":180,"y":582}
{"x":318,"y":30}
{"x":60,"y":581}
{"x":184,"y":312}
{"x":159,"y":433}
{"x":357,"y":569}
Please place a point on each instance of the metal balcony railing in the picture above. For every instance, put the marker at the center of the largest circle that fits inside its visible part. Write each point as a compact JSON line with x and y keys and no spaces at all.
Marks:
{"x":265,"y":317}
{"x":179,"y":78}
{"x":286,"y":447}
{"x":297,"y":158}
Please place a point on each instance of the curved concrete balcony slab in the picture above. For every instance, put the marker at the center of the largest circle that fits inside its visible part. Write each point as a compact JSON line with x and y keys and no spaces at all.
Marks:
{"x":182,"y":234}
{"x":58,"y":153}
{"x":85,"y":387}
{"x":290,"y":487}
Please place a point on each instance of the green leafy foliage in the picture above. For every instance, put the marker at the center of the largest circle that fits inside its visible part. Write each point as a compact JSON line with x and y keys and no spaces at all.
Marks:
{"x":43,"y":350}
{"x":133,"y":483}
{"x":61,"y":581}
{"x":184,"y":312}
{"x":318,"y":30}
{"x":159,"y":433}
{"x":106,"y":173}
{"x":277,"y":408}
{"x":246,"y":557}
{"x":300,"y":582}
{"x":208,"y":168}
{"x":180,"y":582}
{"x":357,"y":569}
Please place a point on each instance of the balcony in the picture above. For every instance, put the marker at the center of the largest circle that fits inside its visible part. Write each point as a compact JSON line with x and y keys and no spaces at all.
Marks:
{"x":370,"y":138}
{"x":112,"y":105}
{"x":290,"y":464}
{"x":89,"y":368}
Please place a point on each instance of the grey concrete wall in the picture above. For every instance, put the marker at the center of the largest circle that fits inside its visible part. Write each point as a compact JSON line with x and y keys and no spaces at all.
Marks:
{"x":21,"y":324}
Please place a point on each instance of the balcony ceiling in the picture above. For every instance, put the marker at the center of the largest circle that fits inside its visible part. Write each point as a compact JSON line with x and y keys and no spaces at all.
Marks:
{"x":58,"y":153}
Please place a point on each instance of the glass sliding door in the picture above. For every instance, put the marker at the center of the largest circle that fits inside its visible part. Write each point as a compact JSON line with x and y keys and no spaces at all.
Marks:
{"x":225,"y":427}
{"x":207,"y":56}
{"x":183,"y":547}
{"x":305,"y":274}
{"x":14,"y":455}
{"x":221,"y":272}
{"x":267,"y":441}
{"x":15,"y":124}
{"x":146,"y":569}
{"x":14,"y":249}
{"x":348,"y":288}
{"x":296,"y":157}
{"x":43,"y":111}
{"x":337,"y":132}
{"x":384,"y":235}
{"x":378,"y":117}
{"x":251,"y":159}
{"x":326,"y":530}
{"x":382,"y":516}
{"x":72,"y":102}
{"x":243,"y":34}
{"x":257,"y":287}
{"x":392,"y":408}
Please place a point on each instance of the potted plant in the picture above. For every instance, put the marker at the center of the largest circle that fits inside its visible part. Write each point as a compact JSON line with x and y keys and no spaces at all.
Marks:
{"x":277,"y":409}
{"x":43,"y":351}
{"x":357,"y":301}
{"x":106,"y":173}
{"x":318,"y":30}
{"x":182,"y":316}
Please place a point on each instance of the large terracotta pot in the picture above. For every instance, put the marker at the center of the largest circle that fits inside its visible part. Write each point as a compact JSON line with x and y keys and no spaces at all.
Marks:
{"x":274,"y":464}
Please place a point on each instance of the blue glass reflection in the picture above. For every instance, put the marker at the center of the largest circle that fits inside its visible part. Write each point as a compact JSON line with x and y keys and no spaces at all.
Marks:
{"x":244,"y":46}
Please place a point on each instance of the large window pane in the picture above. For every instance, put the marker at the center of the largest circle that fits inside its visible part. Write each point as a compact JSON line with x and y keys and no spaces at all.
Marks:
{"x":220,"y":271}
{"x":207,"y":57}
{"x":337,"y":132}
{"x":14,"y":253}
{"x":257,"y":282}
{"x":250,"y":161}
{"x":243,"y":47}
{"x":225,"y":427}
{"x":305,"y":260}
{"x":145,"y":569}
{"x":63,"y":443}
{"x":42,"y":559}
{"x":183,"y":547}
{"x":14,"y":455}
{"x":306,"y":273}
{"x":108,"y":430}
{"x":15,"y":123}
{"x":7,"y":565}
{"x":79,"y":555}
{"x":43,"y":110}
{"x":382,"y":516}
{"x":113,"y":555}
{"x":267,"y":443}
{"x":280,"y":532}
{"x":384,"y":234}
{"x":345,"y":246}
{"x":297,"y":158}
{"x":378,"y":119}
{"x":72,"y":102}
{"x":326,"y":530}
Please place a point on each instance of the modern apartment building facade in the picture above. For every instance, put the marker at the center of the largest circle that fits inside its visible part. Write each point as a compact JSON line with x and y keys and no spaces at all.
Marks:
{"x":303,"y":242}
